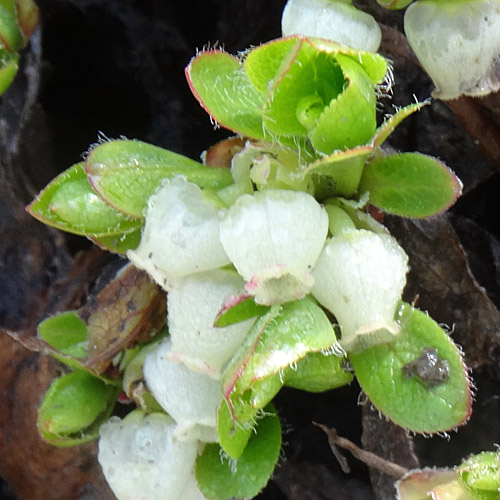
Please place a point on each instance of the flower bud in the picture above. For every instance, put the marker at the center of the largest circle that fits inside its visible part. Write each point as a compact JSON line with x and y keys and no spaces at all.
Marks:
{"x":181,"y":235}
{"x":190,"y":398}
{"x":458,"y":44}
{"x":359,"y":277}
{"x":193,"y":303}
{"x":335,"y":20}
{"x":142,"y":458}
{"x":273,"y":239}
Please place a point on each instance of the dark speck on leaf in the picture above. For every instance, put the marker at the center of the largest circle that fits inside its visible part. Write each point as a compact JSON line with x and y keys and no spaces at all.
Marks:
{"x":429,"y":369}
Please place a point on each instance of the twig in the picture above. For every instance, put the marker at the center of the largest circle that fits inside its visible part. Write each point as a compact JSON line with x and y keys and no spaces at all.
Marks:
{"x":369,"y":458}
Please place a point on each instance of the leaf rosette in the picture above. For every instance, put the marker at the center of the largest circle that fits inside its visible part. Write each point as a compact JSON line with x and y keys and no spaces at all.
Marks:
{"x":292,"y":89}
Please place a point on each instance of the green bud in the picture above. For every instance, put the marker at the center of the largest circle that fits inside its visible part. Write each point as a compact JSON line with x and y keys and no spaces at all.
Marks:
{"x":73,"y":408}
{"x":480,"y":475}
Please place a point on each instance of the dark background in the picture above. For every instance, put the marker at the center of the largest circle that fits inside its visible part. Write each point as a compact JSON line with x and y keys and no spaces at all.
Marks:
{"x":115,"y":67}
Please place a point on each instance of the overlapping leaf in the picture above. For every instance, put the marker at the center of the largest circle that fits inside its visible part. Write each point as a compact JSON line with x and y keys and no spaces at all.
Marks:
{"x":280,"y":338}
{"x":130,"y":309}
{"x":74,"y":408}
{"x":126,"y":173}
{"x":291,"y":88}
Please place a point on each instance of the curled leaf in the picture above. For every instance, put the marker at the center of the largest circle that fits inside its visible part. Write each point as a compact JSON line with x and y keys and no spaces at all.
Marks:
{"x":291,"y":89}
{"x":69,"y":203}
{"x":128,"y":310}
{"x":73,"y":409}
{"x":280,"y":338}
{"x":480,"y":475}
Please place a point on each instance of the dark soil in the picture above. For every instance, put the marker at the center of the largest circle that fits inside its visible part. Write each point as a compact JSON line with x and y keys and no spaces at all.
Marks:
{"x":115,"y":67}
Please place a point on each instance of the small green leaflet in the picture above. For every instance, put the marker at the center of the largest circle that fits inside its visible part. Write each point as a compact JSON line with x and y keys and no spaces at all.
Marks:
{"x":232,"y":437}
{"x":219,"y":83}
{"x":223,"y":478}
{"x":239,"y":309}
{"x":318,"y":372}
{"x":407,"y":401}
{"x":480,"y":475}
{"x":69,"y":203}
{"x":410,"y":185}
{"x":9,"y":64}
{"x":73,"y":409}
{"x":66,"y":332}
{"x":10,"y":33}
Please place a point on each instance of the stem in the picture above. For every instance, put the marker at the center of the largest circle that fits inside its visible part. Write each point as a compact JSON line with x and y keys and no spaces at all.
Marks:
{"x":369,"y":458}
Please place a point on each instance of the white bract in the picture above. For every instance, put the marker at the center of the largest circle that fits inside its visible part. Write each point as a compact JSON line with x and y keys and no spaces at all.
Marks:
{"x":181,"y":235}
{"x":335,"y":20}
{"x":360,"y":277}
{"x":193,"y":303}
{"x":190,"y":398}
{"x":143,"y":460}
{"x":458,"y":44}
{"x":273,"y":239}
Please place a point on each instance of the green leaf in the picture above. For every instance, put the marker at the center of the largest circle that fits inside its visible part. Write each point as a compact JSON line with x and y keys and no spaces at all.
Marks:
{"x":267,"y":62}
{"x":126,"y":173}
{"x":349,"y":120}
{"x":341,"y":169}
{"x":388,"y":126}
{"x":438,"y":484}
{"x":69,"y":203}
{"x":305,"y":73}
{"x":66,"y":332}
{"x":233,"y":438}
{"x":281,"y":337}
{"x":10,"y":34}
{"x":318,"y":372}
{"x":222,"y":478}
{"x":8,"y":69}
{"x":480,"y":475}
{"x":73,"y":409}
{"x":425,"y":403}
{"x":219,"y":83}
{"x":239,"y":309}
{"x":410,"y":185}
{"x":119,"y":243}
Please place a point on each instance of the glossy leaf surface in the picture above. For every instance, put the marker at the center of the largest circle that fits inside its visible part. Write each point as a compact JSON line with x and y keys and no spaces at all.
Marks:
{"x":410,"y":185}
{"x":318,"y":372}
{"x":428,"y":403}
{"x":238,"y":309}
{"x":73,"y":409}
{"x":69,"y":203}
{"x":65,"y":332}
{"x":480,"y":475}
{"x":126,"y":173}
{"x":283,"y":336}
{"x":220,"y":84}
{"x":220,"y":478}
